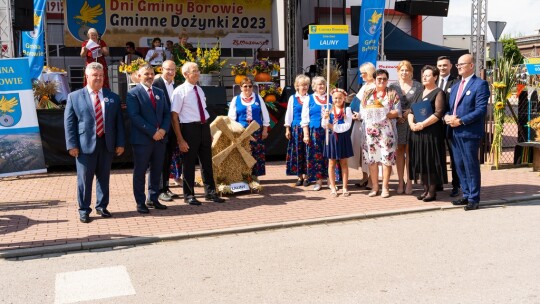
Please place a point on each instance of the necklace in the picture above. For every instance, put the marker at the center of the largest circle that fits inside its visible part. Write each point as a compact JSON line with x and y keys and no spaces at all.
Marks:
{"x":321,"y":100}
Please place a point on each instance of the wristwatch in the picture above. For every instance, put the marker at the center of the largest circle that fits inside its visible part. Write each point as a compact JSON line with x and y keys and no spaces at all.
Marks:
{"x":461,"y":122}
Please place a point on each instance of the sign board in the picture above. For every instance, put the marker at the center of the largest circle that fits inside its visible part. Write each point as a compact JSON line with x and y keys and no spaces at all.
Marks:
{"x":495,"y":49}
{"x":328,"y":37}
{"x":391,"y":68}
{"x":496,"y":28}
{"x":533,"y":68}
{"x":239,"y":187}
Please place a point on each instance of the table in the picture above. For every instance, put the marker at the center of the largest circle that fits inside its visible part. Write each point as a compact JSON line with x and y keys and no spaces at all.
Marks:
{"x":61,"y":79}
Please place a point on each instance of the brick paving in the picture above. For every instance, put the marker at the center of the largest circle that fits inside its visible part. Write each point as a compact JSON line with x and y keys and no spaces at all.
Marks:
{"x":41,"y":210}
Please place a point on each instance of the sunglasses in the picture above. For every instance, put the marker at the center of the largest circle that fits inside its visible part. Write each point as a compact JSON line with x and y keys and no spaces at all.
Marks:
{"x":247,"y":86}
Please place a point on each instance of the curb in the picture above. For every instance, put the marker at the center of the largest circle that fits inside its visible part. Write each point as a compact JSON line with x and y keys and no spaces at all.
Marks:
{"x":65,"y":248}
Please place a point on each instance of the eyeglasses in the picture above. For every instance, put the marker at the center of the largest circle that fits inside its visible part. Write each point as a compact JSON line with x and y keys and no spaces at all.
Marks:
{"x":247,"y":86}
{"x":194,"y":72}
{"x":381,"y":79}
{"x":462,"y":64}
{"x":363,"y":73}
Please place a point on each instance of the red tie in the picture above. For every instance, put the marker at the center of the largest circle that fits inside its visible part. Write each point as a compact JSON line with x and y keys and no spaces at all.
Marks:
{"x":199,"y":104}
{"x":458,"y":96}
{"x":152,"y":99}
{"x":99,"y":115}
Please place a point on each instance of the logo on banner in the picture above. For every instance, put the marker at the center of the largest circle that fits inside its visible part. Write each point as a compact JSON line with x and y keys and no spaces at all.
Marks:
{"x":37,"y":28}
{"x":83,"y":15}
{"x":10,"y":109}
{"x":374,"y":20}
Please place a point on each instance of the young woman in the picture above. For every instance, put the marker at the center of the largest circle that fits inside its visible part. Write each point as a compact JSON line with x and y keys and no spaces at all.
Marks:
{"x":296,"y":148}
{"x":339,"y":148}
{"x":155,"y":55}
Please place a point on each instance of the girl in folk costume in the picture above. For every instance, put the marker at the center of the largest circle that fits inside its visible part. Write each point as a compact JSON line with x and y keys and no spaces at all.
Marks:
{"x":379,"y":109}
{"x":314,"y":133}
{"x":296,"y":148}
{"x":248,"y":107}
{"x":339,"y":148}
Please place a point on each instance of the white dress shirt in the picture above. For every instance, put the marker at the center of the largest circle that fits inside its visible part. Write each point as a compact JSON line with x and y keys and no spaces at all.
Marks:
{"x":170,"y":88}
{"x":184,"y":102}
{"x":265,"y":115}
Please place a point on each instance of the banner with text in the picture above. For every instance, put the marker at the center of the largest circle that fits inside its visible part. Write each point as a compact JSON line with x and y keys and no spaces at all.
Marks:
{"x":238,"y":24}
{"x":371,"y":18}
{"x":20,"y":149}
{"x":33,"y":42}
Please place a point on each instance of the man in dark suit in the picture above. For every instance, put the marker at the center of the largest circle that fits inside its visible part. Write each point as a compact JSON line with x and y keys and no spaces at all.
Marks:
{"x":94,"y":130}
{"x":465,"y":119}
{"x":446,"y":81}
{"x":166,"y":83}
{"x":190,"y":123}
{"x":150,"y":120}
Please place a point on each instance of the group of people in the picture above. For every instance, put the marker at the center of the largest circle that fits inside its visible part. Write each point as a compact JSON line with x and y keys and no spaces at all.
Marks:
{"x":407,"y":120}
{"x":408,"y":123}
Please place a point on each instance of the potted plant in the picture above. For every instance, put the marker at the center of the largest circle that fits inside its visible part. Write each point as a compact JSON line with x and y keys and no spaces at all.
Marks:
{"x":207,"y":60}
{"x":132,"y":68}
{"x":239,"y":71}
{"x":262,"y":70}
{"x":270,"y":93}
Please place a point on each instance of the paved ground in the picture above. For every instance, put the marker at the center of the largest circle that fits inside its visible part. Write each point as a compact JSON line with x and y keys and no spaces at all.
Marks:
{"x":486,"y":256}
{"x":39,"y":213}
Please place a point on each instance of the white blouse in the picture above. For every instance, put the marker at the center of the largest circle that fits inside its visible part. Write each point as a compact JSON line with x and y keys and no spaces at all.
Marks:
{"x":305,"y":108}
{"x":340,"y":128}
{"x":289,"y":115}
{"x":265,"y":115}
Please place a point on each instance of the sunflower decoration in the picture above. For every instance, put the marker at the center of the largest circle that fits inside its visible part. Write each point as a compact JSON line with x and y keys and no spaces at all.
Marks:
{"x":499,"y":105}
{"x":158,"y":69}
{"x":263,"y":66}
{"x":241,"y":68}
{"x":132,"y":67}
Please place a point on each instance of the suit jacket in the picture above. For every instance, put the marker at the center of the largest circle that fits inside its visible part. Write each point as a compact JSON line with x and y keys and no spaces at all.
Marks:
{"x":80,"y":121}
{"x":160,"y":83}
{"x":447,"y":89}
{"x":471,"y":108}
{"x":145,"y":121}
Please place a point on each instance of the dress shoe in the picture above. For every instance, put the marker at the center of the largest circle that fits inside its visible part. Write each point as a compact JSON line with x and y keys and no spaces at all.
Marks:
{"x":429,"y":198}
{"x":165,"y":197}
{"x":155,"y":205}
{"x":471,"y":206}
{"x":439,"y":188}
{"x":460,"y":202}
{"x":84,"y":218}
{"x":306,"y":182}
{"x":171,"y":194}
{"x":143,"y":209}
{"x":455,"y":192}
{"x":421,"y":196}
{"x":214,"y":198}
{"x":299,"y":182}
{"x":192,"y":201}
{"x":103,"y":212}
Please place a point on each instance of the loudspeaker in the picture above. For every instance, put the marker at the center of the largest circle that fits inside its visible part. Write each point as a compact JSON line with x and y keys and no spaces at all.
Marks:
{"x":355,"y":20}
{"x":24,"y":15}
{"x":423,"y":7}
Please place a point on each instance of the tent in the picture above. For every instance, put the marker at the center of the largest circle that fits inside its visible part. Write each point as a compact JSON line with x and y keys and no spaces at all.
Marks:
{"x":398,"y":45}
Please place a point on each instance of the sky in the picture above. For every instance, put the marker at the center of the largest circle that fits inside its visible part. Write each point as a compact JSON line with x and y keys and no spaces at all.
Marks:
{"x":521,"y":17}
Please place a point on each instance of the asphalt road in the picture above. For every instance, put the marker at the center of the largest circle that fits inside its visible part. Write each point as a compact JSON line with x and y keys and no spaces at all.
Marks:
{"x":491,"y":255}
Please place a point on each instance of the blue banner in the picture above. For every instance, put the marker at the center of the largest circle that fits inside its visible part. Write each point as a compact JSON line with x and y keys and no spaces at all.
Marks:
{"x":371,"y":17}
{"x":33,"y":42}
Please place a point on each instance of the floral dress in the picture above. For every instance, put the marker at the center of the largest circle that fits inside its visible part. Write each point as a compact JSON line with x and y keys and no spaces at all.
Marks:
{"x":380,"y":142}
{"x":296,"y":148}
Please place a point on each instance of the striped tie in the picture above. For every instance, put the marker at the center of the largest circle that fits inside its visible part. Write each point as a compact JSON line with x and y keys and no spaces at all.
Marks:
{"x":99,"y":115}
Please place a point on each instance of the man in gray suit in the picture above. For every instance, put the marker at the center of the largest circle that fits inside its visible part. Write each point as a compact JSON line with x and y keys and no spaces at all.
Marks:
{"x":94,"y":130}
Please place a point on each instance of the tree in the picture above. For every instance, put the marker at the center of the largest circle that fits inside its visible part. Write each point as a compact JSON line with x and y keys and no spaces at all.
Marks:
{"x":511,"y":50}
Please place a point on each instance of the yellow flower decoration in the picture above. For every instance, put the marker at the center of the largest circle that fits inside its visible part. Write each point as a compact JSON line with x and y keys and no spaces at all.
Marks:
{"x":499,"y":105}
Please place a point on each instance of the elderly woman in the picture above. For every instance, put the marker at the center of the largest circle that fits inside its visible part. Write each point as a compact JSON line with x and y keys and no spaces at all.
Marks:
{"x":95,"y":50}
{"x":248,"y":107}
{"x":296,"y":148}
{"x":367,"y":70}
{"x":408,"y":90}
{"x":314,"y":133}
{"x":379,"y":108}
{"x":427,"y":160}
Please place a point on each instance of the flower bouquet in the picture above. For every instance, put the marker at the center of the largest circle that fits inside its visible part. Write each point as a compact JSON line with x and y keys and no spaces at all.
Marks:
{"x":503,"y":81}
{"x":132,"y":67}
{"x":270,"y":93}
{"x":240,"y":71}
{"x":207,"y":59}
{"x":262,"y":69}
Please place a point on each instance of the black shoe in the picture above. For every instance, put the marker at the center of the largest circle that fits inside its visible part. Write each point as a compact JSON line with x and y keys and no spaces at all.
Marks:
{"x":165,"y":197}
{"x":214,"y":198}
{"x":460,"y":202}
{"x":155,"y":205}
{"x":429,"y":198}
{"x":171,"y":194}
{"x":192,"y":201}
{"x":299,"y":182}
{"x":306,"y":182}
{"x":143,"y":209}
{"x":439,"y":188}
{"x":84,"y":218}
{"x":471,"y":206}
{"x":421,"y":196}
{"x":103,"y":212}
{"x":455,"y":192}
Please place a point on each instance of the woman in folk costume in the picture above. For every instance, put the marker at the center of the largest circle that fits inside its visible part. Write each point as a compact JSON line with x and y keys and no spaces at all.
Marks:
{"x":339,"y":148}
{"x":379,"y":109}
{"x":248,"y":107}
{"x":296,"y":148}
{"x":314,"y":133}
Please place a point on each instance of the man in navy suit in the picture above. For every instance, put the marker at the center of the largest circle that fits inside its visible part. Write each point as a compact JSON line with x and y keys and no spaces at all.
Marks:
{"x":150,"y":121}
{"x":94,"y":130}
{"x":446,"y":81}
{"x":465,"y":119}
{"x":166,"y":83}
